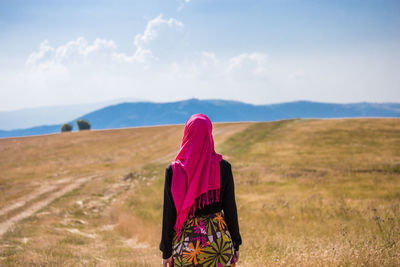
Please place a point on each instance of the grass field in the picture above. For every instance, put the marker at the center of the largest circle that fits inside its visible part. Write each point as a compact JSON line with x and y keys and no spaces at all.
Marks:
{"x":309,"y":193}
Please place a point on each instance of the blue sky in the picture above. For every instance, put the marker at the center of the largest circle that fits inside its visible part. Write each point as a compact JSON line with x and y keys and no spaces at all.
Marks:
{"x":72,"y":52}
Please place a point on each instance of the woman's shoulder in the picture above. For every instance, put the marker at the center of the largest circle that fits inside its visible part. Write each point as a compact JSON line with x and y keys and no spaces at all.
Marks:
{"x":168,"y":174}
{"x":168,"y":171}
{"x":226,"y":172}
{"x":224,"y":163}
{"x":169,"y":167}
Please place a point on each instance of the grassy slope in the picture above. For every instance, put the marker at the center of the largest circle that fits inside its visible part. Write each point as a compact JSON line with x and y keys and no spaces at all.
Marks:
{"x":319,"y":192}
{"x":83,"y":226}
{"x":309,"y":192}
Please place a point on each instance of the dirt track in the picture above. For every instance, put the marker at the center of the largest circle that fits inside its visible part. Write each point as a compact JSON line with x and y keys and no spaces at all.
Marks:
{"x":33,"y":202}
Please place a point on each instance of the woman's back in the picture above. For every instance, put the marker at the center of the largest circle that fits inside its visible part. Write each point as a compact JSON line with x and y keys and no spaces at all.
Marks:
{"x":200,"y":225}
{"x":227,"y":205}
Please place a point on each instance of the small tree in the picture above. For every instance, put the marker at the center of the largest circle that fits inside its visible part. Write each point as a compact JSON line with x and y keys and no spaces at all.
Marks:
{"x":66,"y":127}
{"x":83,"y":125}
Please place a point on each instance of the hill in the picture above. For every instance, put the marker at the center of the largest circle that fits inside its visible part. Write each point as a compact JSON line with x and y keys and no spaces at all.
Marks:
{"x":309,"y":192}
{"x":32,"y":117}
{"x":149,"y":113}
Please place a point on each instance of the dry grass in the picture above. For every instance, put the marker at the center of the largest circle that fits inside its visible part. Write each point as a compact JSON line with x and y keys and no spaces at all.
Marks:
{"x":27,"y":162}
{"x":82,"y":227}
{"x":319,"y":192}
{"x":309,"y":193}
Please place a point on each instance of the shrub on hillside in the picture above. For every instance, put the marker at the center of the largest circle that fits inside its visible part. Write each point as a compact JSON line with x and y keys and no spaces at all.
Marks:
{"x":83,"y":125}
{"x":66,"y":127}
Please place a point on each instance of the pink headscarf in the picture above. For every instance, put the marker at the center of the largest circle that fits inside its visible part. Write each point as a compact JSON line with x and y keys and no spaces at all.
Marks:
{"x":196,"y":173}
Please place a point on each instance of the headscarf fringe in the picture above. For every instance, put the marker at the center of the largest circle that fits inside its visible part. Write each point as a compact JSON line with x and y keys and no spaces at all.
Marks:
{"x":205,"y":199}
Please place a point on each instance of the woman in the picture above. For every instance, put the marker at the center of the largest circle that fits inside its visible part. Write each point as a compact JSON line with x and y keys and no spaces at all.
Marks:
{"x":200,"y":225}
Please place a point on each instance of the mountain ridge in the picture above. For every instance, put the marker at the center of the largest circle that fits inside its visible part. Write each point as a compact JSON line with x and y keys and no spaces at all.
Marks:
{"x":143,"y":113}
{"x":51,"y":115}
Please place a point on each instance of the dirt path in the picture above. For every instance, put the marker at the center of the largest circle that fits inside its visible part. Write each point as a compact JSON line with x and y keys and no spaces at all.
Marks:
{"x":60,"y":188}
{"x":43,"y":189}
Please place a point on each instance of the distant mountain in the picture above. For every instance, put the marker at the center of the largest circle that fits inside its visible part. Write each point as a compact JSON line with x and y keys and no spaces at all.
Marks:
{"x":149,"y":113}
{"x":30,"y":117}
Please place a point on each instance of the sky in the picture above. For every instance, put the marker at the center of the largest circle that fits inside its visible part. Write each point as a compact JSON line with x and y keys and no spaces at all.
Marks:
{"x":260,"y":52}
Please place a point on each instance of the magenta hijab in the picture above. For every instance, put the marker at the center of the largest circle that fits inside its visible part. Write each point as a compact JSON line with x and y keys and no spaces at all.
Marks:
{"x":196,"y":173}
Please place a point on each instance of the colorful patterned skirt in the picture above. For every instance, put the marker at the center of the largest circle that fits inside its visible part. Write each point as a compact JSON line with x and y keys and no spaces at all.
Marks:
{"x":204,"y":241}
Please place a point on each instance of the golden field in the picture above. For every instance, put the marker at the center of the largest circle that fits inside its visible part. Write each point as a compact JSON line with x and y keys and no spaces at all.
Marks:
{"x":309,"y":193}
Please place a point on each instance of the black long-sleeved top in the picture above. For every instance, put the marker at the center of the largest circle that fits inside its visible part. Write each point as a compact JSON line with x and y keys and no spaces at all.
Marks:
{"x":227,"y":204}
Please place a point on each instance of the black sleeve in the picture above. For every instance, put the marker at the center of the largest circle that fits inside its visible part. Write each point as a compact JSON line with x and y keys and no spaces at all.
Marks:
{"x":230,"y":211}
{"x":169,"y":216}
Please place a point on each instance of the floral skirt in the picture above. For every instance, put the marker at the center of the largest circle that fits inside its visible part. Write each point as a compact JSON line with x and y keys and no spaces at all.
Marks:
{"x":204,"y":241}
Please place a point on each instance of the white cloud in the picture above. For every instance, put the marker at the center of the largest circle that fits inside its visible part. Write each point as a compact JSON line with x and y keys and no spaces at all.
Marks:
{"x":44,"y":49}
{"x":245,"y":67}
{"x":153,"y":29}
{"x":80,"y":49}
{"x":158,"y":28}
{"x":182,"y":4}
{"x":81,"y":70}
{"x":250,"y":63}
{"x":141,"y":55}
{"x":75,"y":51}
{"x":159,"y":36}
{"x":209,"y":58}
